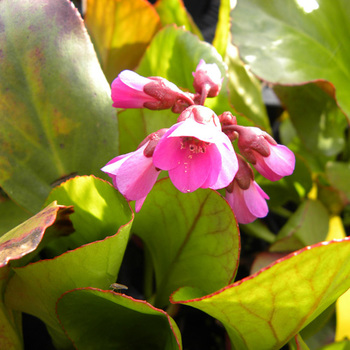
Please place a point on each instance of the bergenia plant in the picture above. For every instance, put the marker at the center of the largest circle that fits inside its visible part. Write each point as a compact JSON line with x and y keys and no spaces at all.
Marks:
{"x":169,"y":187}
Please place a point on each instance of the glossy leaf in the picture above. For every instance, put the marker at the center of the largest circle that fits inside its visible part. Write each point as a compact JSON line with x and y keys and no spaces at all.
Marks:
{"x":35,"y":288}
{"x":338,"y":175}
{"x":254,"y":309}
{"x":11,"y":214}
{"x":95,"y":202}
{"x":174,"y":12}
{"x":97,"y":319}
{"x":26,"y":237}
{"x":245,"y":92}
{"x":192,"y":238}
{"x":121,"y":31}
{"x":173,"y":54}
{"x":222,"y":32}
{"x":319,"y":122}
{"x":308,"y":225}
{"x":56,"y":116}
{"x":10,"y":322}
{"x":288,"y":43}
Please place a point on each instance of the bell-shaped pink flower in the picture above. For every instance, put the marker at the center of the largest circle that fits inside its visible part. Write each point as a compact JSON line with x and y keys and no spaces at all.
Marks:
{"x":196,"y":155}
{"x":131,"y":90}
{"x":270,"y":159}
{"x":133,"y":174}
{"x":247,"y":204}
{"x":207,"y":80}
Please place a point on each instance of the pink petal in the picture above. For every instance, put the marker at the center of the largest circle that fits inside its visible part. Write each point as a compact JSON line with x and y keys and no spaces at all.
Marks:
{"x":133,"y":80}
{"x":281,"y":160}
{"x":229,"y":164}
{"x":238,"y":205}
{"x":192,"y":171}
{"x":112,"y":167}
{"x":167,"y":154}
{"x":255,"y":203}
{"x":136,"y":177}
{"x":190,"y":128}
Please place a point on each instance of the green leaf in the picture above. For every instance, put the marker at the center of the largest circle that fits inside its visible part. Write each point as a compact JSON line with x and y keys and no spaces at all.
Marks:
{"x":26,"y":237}
{"x":319,"y":122}
{"x":222,"y":32}
{"x":35,"y":288}
{"x":308,"y":225}
{"x":10,"y":322}
{"x":99,"y":210}
{"x":11,"y":214}
{"x":338,"y":175}
{"x":56,"y":116}
{"x":96,"y":319}
{"x":174,"y":12}
{"x":254,"y":310}
{"x":192,"y":238}
{"x":343,"y":345}
{"x":121,"y":31}
{"x":245,"y":90}
{"x":290,"y":188}
{"x":285,"y":43}
{"x":297,"y":343}
{"x":173,"y":54}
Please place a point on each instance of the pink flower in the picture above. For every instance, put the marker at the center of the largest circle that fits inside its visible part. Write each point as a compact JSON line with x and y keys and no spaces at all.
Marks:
{"x":196,"y":154}
{"x":133,"y":175}
{"x":130,"y":90}
{"x":207,"y":80}
{"x":279,"y":163}
{"x":247,"y":204}
{"x":270,"y":159}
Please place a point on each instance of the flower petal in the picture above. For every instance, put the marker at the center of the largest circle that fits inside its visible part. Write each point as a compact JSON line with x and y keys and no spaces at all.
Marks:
{"x":256,"y":203}
{"x":136,"y":177}
{"x":192,"y":171}
{"x":229,"y":164}
{"x":190,"y":128}
{"x":239,"y":206}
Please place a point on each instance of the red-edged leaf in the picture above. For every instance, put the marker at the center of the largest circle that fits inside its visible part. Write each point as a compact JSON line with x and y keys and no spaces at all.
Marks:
{"x":265,"y":310}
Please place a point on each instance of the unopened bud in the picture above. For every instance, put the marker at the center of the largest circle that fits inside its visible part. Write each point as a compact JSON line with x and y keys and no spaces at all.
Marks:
{"x":165,"y":93}
{"x":207,"y":80}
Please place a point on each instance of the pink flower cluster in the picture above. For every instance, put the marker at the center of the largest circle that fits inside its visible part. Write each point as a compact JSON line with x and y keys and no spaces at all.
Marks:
{"x":197,"y":150}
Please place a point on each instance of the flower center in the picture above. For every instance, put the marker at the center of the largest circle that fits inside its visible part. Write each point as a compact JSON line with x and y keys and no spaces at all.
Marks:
{"x":194,"y":145}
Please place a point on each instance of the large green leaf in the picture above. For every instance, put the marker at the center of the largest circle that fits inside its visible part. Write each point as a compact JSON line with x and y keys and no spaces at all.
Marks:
{"x":308,"y":225}
{"x":56,"y":116}
{"x":296,"y":288}
{"x":96,"y":319}
{"x":173,"y":54}
{"x":120,"y":31}
{"x":288,"y":42}
{"x":35,"y":288}
{"x":338,"y":174}
{"x":26,"y":237}
{"x":319,"y":122}
{"x":192,"y":238}
{"x":245,"y":92}
{"x":11,"y":214}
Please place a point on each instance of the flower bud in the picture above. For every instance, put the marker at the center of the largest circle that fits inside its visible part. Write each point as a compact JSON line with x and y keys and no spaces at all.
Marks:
{"x":207,"y":80}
